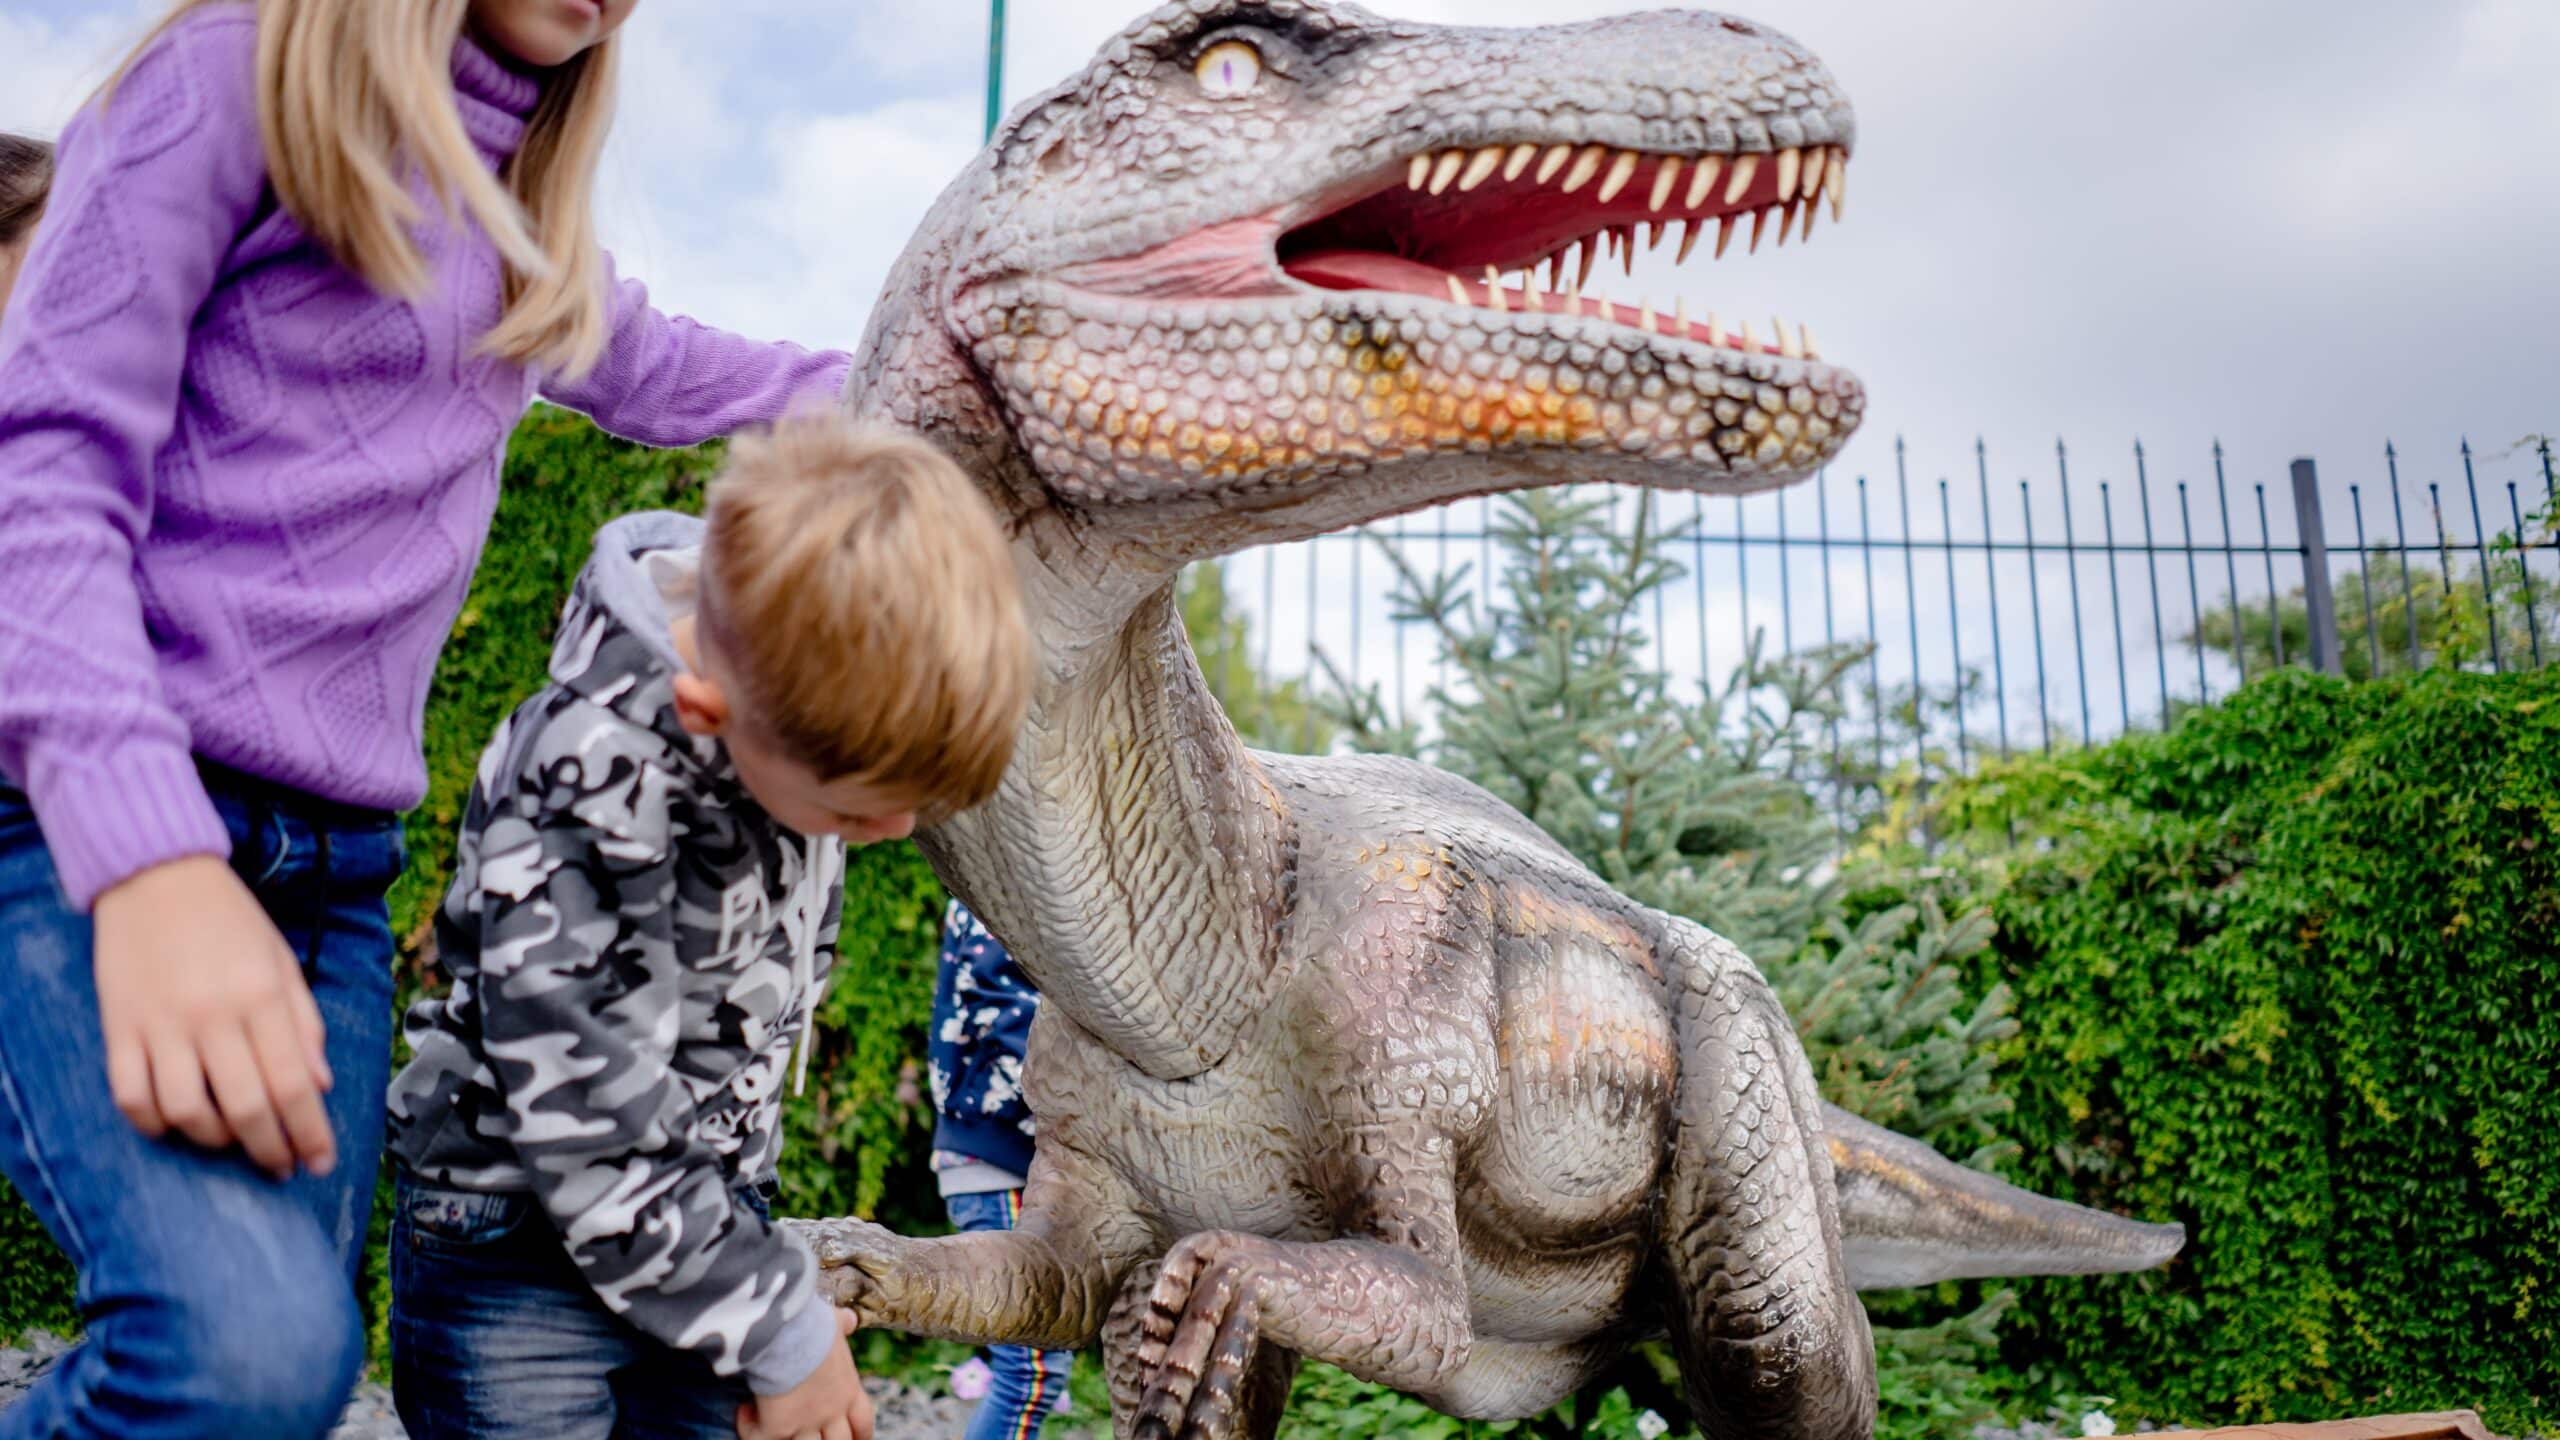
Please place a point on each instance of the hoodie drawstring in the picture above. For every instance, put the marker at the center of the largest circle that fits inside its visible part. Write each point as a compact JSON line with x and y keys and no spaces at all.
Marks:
{"x":804,"y":962}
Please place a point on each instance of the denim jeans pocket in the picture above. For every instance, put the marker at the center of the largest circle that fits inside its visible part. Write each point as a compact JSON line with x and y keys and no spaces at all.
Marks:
{"x":461,"y":1221}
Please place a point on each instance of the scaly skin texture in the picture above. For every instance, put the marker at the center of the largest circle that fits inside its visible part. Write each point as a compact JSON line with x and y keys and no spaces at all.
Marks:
{"x":1342,"y":1058}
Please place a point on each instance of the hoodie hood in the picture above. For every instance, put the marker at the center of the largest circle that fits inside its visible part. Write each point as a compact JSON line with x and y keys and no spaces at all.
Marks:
{"x":616,"y":646}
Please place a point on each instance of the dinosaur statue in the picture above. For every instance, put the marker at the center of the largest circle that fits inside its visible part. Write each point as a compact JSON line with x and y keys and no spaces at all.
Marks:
{"x":1341,"y":1057}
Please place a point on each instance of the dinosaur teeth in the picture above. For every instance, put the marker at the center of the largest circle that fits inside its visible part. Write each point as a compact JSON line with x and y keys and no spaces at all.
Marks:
{"x":1689,"y":232}
{"x":1680,"y":315}
{"x":1458,"y":291}
{"x":1621,"y":171}
{"x":1804,"y":341}
{"x":1759,"y":222}
{"x":1586,"y":165}
{"x":1836,"y":179}
{"x":1701,"y":182}
{"x":1553,"y":161}
{"x":1644,"y":318}
{"x":1817,"y":170}
{"x":1582,"y":275}
{"x":1790,"y":168}
{"x":1787,"y":218}
{"x":1715,"y":330}
{"x":1663,"y":179}
{"x":1447,"y":169}
{"x":1493,"y":288}
{"x":1480,"y":168}
{"x":1789,"y":346}
{"x":1724,"y":233}
{"x":1627,"y":249}
{"x":1653,"y":234}
{"x":1416,"y":171}
{"x":1521,"y":155}
{"x":1745,"y":169}
{"x":1745,"y":341}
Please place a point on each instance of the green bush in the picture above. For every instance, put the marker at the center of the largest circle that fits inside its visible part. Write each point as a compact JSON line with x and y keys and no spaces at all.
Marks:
{"x":2290,"y":974}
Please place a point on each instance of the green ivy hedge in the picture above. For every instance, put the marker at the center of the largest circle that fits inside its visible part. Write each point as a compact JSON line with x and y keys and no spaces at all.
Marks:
{"x":2290,"y":974}
{"x":855,"y":1140}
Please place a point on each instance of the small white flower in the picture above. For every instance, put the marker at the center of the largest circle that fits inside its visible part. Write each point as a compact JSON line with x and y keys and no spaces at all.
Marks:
{"x":2097,"y":1422}
{"x":1652,"y":1426}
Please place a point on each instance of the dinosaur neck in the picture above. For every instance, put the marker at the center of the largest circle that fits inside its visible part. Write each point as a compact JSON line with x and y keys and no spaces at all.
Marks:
{"x":1134,"y":859}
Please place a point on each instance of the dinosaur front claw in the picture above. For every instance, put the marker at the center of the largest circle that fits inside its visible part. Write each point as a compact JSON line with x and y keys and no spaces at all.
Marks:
{"x":855,"y":1259}
{"x":1197,"y":1342}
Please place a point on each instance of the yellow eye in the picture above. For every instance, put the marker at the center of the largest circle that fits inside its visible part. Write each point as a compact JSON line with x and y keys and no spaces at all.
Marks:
{"x":1228,"y":69}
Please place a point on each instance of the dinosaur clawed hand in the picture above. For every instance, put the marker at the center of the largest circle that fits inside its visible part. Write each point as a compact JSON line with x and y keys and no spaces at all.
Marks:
{"x":1196,"y":1341}
{"x":854,"y":1263}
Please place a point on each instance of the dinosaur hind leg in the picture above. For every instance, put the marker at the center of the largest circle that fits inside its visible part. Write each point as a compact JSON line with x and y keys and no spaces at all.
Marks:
{"x":1261,"y":1397}
{"x":1771,"y":1338}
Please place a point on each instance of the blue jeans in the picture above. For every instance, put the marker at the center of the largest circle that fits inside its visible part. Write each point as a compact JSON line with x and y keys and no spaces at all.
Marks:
{"x":1029,"y":1384}
{"x":218,"y":1300}
{"x":495,"y":1335}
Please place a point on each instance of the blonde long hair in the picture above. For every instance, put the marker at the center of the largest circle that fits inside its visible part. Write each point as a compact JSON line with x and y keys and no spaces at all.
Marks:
{"x":355,"y":98}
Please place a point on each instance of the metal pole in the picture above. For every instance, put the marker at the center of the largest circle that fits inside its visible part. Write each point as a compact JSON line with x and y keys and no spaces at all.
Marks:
{"x":1955,"y":631}
{"x":2524,"y":572}
{"x":2115,"y":610}
{"x":2400,"y":522}
{"x":2364,"y":577}
{"x":1875,"y":642}
{"x":1991,"y":572}
{"x":2035,"y":616}
{"x":2267,"y":554}
{"x":1911,"y":615}
{"x":2151,"y":563}
{"x":2480,"y":538}
{"x":2230,"y":570}
{"x":2317,"y":598}
{"x":995,"y":65}
{"x":2071,"y":568}
{"x":2195,"y":600}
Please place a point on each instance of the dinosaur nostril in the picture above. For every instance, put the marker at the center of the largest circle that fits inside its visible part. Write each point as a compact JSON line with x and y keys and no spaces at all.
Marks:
{"x":1739,"y":27}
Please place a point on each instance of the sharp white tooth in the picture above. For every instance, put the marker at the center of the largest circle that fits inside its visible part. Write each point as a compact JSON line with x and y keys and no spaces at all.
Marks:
{"x":1480,"y":168}
{"x":1582,"y":272}
{"x":1724,"y":233}
{"x":1790,"y":168}
{"x":1653,"y":234}
{"x":1447,"y":169}
{"x":1744,"y":169}
{"x":1621,"y":171}
{"x":1689,"y":233}
{"x":1703,"y":181}
{"x":1812,"y":208}
{"x":1759,"y":222}
{"x":1552,"y":162}
{"x":1644,"y":318}
{"x":1521,"y":155}
{"x":1535,"y":301}
{"x":1745,"y":341}
{"x":1715,"y":330}
{"x":1817,"y":169}
{"x":1627,"y":249}
{"x":1839,"y":180}
{"x":1804,"y":341}
{"x":1585,"y":165}
{"x":1787,"y":219}
{"x":1680,"y":315}
{"x":1416,"y":171}
{"x":1493,"y":288}
{"x":1788,"y":345}
{"x":1458,"y":291}
{"x":1663,"y":180}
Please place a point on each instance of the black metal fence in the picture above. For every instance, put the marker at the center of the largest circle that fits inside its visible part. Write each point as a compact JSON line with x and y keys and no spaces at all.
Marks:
{"x":1991,"y":615}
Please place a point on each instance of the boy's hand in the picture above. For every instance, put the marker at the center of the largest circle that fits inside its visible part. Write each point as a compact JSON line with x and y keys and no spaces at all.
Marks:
{"x":829,"y":1405}
{"x":210,"y":1029}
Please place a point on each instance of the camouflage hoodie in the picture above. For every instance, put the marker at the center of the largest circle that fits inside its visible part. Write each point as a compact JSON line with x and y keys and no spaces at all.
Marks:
{"x":634,"y":947}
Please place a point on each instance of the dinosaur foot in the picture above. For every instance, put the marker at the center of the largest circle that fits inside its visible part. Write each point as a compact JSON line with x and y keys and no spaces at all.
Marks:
{"x":1196,"y":1346}
{"x":854,"y":1262}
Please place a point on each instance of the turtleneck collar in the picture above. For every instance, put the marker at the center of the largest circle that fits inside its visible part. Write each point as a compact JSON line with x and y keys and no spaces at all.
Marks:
{"x":495,"y":101}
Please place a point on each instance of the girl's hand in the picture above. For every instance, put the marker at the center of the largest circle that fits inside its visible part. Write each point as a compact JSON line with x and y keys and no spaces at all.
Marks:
{"x":210,"y":1029}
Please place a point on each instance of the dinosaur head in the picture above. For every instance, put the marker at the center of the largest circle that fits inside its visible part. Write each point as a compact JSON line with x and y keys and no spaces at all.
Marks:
{"x":1294,"y":265}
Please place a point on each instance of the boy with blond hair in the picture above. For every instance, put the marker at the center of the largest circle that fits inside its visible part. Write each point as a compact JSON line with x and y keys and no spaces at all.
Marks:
{"x":641,"y":923}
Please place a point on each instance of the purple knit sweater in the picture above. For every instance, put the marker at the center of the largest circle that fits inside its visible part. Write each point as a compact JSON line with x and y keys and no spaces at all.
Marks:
{"x":241,"y":494}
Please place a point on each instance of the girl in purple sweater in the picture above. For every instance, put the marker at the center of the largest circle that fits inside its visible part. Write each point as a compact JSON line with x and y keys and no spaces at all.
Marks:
{"x":304,"y":264}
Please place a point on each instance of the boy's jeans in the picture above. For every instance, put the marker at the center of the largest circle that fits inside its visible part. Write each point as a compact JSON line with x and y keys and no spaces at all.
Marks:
{"x":218,"y":1301}
{"x":495,"y":1335}
{"x":1029,"y":1384}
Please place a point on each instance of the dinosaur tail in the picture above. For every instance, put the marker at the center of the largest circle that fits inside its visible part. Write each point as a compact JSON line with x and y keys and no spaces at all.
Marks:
{"x":1910,"y":1216}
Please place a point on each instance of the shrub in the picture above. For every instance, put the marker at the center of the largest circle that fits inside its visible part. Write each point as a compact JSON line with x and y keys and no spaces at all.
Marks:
{"x":2290,"y":974}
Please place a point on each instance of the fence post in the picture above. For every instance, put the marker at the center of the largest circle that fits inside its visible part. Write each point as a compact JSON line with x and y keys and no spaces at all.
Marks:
{"x":2316,"y":596}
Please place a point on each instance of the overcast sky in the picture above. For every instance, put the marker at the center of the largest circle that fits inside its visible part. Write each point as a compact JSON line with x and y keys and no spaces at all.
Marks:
{"x":2298,"y":225}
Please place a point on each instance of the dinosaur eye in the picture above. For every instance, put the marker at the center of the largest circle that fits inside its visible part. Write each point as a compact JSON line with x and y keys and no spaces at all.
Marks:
{"x":1228,"y":69}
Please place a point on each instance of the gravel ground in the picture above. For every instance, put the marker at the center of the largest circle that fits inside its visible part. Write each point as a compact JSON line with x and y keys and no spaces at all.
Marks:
{"x":905,"y":1414}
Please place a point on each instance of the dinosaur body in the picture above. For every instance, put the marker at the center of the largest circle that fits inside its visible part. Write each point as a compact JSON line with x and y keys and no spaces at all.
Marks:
{"x":1341,"y":1058}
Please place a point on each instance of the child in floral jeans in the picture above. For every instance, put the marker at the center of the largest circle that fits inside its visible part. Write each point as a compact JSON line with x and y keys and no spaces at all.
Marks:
{"x":982,"y":1009}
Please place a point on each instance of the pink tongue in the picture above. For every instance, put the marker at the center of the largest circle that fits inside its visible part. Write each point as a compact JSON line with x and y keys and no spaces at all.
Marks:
{"x":1369,"y":270}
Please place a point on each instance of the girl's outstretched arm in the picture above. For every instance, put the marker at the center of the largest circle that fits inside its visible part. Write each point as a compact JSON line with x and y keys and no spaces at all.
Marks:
{"x":670,"y":380}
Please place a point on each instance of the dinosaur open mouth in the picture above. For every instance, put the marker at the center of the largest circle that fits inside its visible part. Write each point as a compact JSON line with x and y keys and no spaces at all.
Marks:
{"x":1471,"y":227}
